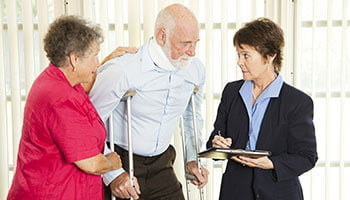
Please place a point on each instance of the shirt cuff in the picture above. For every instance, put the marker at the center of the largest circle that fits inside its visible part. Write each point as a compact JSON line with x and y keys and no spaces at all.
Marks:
{"x":191,"y":154}
{"x":108,"y":177}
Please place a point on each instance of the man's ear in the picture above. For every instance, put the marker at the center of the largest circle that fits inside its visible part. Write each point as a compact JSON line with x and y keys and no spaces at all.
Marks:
{"x":161,"y":36}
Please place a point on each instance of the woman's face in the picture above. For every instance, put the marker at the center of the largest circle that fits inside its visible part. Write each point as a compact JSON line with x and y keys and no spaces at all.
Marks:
{"x":253,"y":65}
{"x":88,"y":64}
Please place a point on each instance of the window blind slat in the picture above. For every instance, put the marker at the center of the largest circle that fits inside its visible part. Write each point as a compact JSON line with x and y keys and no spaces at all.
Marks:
{"x":59,"y":7}
{"x":238,"y":26}
{"x":162,"y":4}
{"x":224,"y":44}
{"x":28,"y":38}
{"x":42,"y":28}
{"x":209,"y":71}
{"x":209,"y":62}
{"x":134,"y":22}
{"x":342,"y":103}
{"x":297,"y":45}
{"x":193,"y":5}
{"x":105,"y":28}
{"x":119,"y":24}
{"x":87,"y":10}
{"x":313,"y":70}
{"x":328,"y":195}
{"x":4,"y":171}
{"x":148,"y":19}
{"x":313,"y":77}
{"x":73,"y":7}
{"x":15,"y":81}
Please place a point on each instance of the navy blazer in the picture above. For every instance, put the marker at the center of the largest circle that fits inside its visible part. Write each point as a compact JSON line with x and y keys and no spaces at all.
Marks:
{"x":287,"y":131}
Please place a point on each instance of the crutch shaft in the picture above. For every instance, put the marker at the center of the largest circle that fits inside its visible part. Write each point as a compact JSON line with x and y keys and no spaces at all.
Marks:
{"x":131,"y":162}
{"x":195,"y":130}
{"x":127,"y":97}
{"x":184,"y":156}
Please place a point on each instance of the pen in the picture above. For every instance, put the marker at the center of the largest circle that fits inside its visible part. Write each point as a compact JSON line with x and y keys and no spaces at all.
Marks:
{"x":219,"y":133}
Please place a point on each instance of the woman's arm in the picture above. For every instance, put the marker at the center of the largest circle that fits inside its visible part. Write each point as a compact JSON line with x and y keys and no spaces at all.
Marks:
{"x":116,"y":53}
{"x":99,"y":164}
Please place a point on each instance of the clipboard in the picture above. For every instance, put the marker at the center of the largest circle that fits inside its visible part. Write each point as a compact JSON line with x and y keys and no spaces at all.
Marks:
{"x":226,"y":153}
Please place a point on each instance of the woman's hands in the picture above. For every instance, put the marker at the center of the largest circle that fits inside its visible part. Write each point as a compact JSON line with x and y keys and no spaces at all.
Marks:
{"x":99,"y":164}
{"x":119,"y":52}
{"x":221,"y":142}
{"x":261,"y":162}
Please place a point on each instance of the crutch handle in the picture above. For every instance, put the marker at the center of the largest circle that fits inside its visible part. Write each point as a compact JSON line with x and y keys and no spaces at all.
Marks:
{"x":190,"y":176}
{"x":195,"y":90}
{"x":129,"y":93}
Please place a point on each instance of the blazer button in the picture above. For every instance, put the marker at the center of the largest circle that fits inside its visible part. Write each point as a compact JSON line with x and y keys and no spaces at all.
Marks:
{"x":257,"y":196}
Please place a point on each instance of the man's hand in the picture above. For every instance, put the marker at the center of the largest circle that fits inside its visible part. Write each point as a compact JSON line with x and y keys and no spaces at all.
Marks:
{"x":202,"y":178}
{"x":122,"y":188}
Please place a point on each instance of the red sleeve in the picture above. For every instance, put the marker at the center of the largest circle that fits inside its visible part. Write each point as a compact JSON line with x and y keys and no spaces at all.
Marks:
{"x":75,"y":130}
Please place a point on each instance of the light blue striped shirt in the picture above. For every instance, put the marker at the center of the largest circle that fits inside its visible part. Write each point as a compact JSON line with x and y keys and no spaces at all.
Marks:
{"x":162,"y":96}
{"x":257,"y":111}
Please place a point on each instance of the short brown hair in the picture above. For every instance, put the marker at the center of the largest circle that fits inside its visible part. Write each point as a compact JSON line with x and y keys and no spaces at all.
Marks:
{"x":265,"y":36}
{"x":69,"y":34}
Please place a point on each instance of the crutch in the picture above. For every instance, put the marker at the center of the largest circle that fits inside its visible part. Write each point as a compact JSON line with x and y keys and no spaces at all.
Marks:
{"x":127,"y":97}
{"x":188,"y":176}
{"x":111,"y":139}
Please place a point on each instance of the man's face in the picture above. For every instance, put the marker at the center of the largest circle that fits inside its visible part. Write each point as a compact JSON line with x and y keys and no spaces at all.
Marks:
{"x":180,"y":45}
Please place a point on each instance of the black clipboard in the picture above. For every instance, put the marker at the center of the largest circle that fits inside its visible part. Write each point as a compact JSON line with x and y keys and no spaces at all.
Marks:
{"x":226,"y":153}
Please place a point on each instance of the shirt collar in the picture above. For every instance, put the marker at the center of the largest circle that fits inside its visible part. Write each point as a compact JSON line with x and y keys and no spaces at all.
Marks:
{"x":147,"y":63}
{"x":272,"y":91}
{"x":56,"y":73}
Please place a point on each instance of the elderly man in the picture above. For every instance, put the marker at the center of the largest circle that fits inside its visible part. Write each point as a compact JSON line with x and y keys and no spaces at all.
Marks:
{"x":164,"y":73}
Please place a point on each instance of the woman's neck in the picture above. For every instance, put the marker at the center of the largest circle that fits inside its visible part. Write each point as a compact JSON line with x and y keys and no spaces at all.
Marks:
{"x":260,"y":85}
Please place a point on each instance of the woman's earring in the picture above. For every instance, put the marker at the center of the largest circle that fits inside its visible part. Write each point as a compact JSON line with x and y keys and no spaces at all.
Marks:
{"x":74,"y":69}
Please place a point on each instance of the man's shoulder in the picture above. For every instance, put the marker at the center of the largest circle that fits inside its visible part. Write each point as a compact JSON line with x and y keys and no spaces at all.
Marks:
{"x":126,"y":59}
{"x":194,"y":72}
{"x":196,"y":62}
{"x":195,"y":67}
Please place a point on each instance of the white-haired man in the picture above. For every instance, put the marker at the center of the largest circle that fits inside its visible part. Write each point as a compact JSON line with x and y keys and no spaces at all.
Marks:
{"x":164,"y":73}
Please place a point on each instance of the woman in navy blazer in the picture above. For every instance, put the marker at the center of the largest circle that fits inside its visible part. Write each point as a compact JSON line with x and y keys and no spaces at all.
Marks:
{"x":262,"y":112}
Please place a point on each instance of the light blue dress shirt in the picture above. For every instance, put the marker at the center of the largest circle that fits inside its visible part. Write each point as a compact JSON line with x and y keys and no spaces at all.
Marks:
{"x":257,"y":111}
{"x":162,"y":96}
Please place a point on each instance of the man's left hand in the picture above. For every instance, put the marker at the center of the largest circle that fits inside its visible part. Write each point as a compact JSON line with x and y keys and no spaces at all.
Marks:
{"x":201,"y":175}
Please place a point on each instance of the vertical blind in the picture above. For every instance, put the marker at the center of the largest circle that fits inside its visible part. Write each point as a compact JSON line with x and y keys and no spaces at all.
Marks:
{"x":315,"y":61}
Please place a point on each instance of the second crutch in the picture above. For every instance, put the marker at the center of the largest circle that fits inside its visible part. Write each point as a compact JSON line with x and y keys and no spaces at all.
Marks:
{"x":188,"y":176}
{"x":127,"y":97}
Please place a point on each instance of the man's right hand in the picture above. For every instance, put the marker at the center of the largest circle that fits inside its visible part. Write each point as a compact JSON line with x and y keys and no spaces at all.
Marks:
{"x":122,"y":188}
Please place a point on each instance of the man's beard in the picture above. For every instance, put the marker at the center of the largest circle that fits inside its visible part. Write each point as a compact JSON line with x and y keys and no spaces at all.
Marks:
{"x":182,"y":61}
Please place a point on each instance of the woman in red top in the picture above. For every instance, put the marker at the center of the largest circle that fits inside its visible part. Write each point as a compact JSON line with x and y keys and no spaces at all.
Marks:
{"x":60,"y":152}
